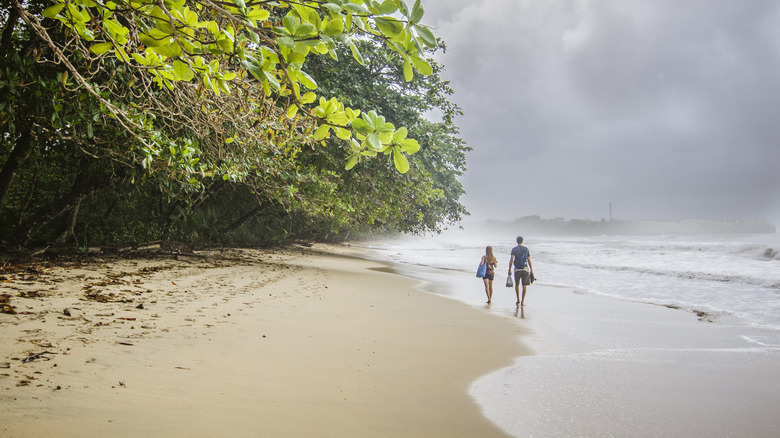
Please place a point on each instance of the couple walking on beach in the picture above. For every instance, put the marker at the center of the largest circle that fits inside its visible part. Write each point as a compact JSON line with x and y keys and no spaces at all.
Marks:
{"x":519,"y":259}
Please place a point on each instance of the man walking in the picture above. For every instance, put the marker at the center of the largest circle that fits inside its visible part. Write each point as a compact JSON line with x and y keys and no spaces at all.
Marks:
{"x":521,"y":261}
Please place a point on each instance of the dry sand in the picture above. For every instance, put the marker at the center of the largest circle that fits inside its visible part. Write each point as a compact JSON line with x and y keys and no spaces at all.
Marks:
{"x":297,"y":342}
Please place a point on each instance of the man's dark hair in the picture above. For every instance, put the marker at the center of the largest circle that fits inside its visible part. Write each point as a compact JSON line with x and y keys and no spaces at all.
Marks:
{"x":519,"y":239}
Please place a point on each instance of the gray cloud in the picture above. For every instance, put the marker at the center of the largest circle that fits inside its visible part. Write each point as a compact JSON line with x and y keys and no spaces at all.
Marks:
{"x":667,"y":109}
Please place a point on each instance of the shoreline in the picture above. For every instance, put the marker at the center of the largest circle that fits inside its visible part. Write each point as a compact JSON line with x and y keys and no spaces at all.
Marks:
{"x":604,"y":366}
{"x":295,"y":342}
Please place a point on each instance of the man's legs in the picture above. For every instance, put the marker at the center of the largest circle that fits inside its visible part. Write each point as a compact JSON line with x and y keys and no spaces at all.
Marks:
{"x":522,"y":301}
{"x":521,"y":278}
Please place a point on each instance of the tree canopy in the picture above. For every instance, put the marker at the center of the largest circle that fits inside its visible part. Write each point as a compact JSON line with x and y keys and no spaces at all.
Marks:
{"x":194,"y":119}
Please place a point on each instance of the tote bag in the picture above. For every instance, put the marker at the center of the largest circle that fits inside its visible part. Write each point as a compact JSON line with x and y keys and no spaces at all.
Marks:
{"x":481,"y":269}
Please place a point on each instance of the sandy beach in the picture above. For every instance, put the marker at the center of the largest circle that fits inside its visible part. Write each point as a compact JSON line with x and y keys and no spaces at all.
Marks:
{"x":290,"y":342}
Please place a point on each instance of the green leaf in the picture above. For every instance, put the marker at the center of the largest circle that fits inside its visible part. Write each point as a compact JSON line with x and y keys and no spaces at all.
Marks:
{"x":309,"y":97}
{"x":389,"y":26}
{"x":417,"y":12}
{"x":363,"y":125}
{"x":140,"y":59}
{"x":426,"y":35}
{"x":332,"y":7}
{"x":223,"y":85}
{"x":400,"y":134}
{"x":408,"y":73}
{"x":258,"y":14}
{"x":400,"y":161}
{"x":101,"y":48}
{"x":306,"y":80}
{"x":273,"y":83}
{"x":286,"y":42}
{"x":306,"y":30}
{"x":339,"y":118}
{"x":355,"y":8}
{"x":150,"y":41}
{"x":373,"y":141}
{"x":226,"y":44}
{"x":355,"y":146}
{"x":387,"y":7}
{"x":410,"y":146}
{"x":351,"y":162}
{"x":183,"y":71}
{"x":172,"y":50}
{"x":321,"y":132}
{"x":77,"y":15}
{"x":122,"y":55}
{"x":404,"y":8}
{"x":290,"y":23}
{"x":422,"y":65}
{"x":292,"y":110}
{"x":356,"y":54}
{"x":52,"y":11}
{"x":334,"y":27}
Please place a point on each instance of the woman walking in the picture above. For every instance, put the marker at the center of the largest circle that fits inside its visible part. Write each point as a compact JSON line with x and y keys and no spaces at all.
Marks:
{"x":491,"y":262}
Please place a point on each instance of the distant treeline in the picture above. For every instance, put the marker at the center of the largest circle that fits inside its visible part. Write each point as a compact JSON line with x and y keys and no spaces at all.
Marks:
{"x":584,"y":227}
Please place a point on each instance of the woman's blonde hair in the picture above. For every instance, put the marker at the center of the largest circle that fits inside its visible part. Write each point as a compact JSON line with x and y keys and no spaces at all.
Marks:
{"x":489,"y":257}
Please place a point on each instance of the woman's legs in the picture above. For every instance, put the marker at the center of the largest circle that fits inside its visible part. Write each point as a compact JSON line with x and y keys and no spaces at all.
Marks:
{"x":488,"y":288}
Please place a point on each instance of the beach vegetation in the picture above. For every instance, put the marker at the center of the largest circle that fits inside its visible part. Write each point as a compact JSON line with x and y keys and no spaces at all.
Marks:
{"x":221,"y":122}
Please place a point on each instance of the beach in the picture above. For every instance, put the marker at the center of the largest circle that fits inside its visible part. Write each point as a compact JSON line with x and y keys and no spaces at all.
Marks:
{"x":296,"y":341}
{"x":335,"y":341}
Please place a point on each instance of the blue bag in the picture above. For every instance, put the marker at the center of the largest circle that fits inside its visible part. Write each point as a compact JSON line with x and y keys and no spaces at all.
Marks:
{"x":481,"y":270}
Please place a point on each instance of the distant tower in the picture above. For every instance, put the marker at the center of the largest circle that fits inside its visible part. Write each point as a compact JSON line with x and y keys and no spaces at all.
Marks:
{"x":610,"y":211}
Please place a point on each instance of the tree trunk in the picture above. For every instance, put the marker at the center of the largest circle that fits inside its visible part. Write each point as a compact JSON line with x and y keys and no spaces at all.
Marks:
{"x":69,"y":225}
{"x":30,"y":193}
{"x":181,"y":208}
{"x":12,"y":165}
{"x":243,"y":219}
{"x":8,"y":32}
{"x":79,"y":190}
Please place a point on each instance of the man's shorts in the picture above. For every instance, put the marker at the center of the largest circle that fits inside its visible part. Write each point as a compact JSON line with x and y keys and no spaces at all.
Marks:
{"x":522,"y":274}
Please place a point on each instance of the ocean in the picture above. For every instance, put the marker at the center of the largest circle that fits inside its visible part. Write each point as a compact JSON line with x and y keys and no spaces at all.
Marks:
{"x":690,"y":321}
{"x":726,"y":276}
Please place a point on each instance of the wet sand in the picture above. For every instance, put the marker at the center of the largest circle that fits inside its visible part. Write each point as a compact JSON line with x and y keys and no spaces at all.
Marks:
{"x":292,"y":342}
{"x":606,"y":367}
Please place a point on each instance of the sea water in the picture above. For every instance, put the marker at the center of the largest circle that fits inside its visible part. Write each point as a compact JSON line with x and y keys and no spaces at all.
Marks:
{"x":668,"y":335}
{"x":723,"y":277}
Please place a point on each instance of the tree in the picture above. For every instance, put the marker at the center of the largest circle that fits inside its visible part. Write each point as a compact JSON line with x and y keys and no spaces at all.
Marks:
{"x":159,"y":71}
{"x":179,"y":95}
{"x":427,"y":197}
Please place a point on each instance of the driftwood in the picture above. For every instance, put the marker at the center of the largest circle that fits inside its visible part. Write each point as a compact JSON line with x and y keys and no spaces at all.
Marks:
{"x":36,"y":356}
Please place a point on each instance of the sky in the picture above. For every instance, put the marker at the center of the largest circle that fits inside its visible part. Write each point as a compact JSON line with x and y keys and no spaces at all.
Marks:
{"x":657,"y":109}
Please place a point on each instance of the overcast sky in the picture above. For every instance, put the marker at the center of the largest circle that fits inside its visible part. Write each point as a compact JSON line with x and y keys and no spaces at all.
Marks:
{"x":668,"y":109}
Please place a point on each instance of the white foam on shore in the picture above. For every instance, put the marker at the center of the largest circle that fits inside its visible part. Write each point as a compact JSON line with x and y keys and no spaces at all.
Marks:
{"x":628,"y":369}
